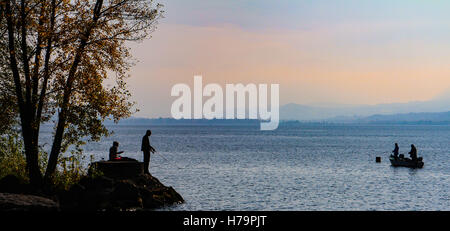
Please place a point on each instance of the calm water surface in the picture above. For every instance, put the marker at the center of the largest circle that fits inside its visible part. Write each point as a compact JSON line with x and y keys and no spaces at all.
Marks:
{"x":309,"y":167}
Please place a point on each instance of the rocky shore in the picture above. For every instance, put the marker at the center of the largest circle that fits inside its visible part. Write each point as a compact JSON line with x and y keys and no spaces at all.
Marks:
{"x":102,"y":193}
{"x":127,"y":188}
{"x":23,"y":202}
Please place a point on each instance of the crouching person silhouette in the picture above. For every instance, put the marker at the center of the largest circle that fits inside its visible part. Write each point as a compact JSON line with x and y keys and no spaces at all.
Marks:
{"x":146,"y":148}
{"x":113,"y":151}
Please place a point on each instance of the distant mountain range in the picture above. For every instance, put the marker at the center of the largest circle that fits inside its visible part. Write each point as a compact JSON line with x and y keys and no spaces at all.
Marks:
{"x":424,"y":117}
{"x":405,"y":118}
{"x":358,"y":112}
{"x":433,"y":111}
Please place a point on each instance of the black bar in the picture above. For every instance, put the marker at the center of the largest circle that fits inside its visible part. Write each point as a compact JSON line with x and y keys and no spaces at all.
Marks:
{"x":228,"y":220}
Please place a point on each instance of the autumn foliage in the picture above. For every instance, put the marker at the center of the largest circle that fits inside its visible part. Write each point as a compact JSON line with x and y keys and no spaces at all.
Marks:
{"x":55,"y":57}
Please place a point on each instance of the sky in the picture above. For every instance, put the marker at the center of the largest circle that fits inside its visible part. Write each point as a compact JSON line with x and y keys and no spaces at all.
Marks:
{"x":321,"y":52}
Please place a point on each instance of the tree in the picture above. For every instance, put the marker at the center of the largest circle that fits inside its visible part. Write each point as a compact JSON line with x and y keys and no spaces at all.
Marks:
{"x":8,"y":117}
{"x":59,"y":53}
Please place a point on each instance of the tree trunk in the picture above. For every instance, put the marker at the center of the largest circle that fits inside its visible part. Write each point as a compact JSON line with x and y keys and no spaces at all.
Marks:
{"x":32,"y":157}
{"x":62,"y":116}
{"x":31,"y":148}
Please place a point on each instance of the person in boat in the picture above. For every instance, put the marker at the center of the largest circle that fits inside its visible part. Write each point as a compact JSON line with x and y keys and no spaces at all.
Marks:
{"x":413,"y":153}
{"x":396,"y":149}
{"x":113,"y":151}
{"x":146,"y":148}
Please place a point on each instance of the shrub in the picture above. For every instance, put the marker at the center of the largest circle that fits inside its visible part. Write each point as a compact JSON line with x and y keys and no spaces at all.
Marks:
{"x":13,"y":162}
{"x":70,"y":170}
{"x":12,"y":157}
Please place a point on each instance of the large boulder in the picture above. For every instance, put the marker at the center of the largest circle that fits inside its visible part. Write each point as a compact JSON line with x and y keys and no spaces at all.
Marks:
{"x":118,"y":185}
{"x":21,"y":202}
{"x":150,"y":199}
{"x":103,"y":193}
{"x":72,"y":199}
{"x":126,"y":195}
{"x":118,"y":169}
{"x":90,"y":193}
{"x":12,"y":184}
{"x":97,"y":183}
{"x":122,"y":186}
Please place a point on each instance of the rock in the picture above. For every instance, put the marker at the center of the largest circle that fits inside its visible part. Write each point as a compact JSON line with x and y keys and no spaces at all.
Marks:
{"x":85,"y":182}
{"x":100,"y":193}
{"x":103,"y":182}
{"x":97,"y":183}
{"x":96,"y":200}
{"x":134,"y":190}
{"x":11,"y":184}
{"x":118,"y":169}
{"x":126,"y":195}
{"x":21,"y":202}
{"x":72,"y":199}
{"x":148,"y":199}
{"x":77,"y":189}
{"x":155,"y":194}
{"x":175,"y":196}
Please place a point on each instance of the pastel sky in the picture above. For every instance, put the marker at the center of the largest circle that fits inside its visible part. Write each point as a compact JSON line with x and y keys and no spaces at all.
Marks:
{"x":319,"y":51}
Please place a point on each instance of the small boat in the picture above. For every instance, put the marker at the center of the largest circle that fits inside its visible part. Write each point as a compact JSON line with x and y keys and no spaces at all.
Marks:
{"x":406,"y":162}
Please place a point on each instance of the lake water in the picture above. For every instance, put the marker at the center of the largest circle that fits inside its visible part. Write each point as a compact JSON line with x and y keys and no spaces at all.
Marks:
{"x":307,"y":167}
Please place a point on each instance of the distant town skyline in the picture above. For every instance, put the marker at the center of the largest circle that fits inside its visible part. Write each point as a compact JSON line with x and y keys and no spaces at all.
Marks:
{"x":320,"y":52}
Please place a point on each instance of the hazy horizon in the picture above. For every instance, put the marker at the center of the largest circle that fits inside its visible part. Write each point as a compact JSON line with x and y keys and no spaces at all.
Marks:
{"x":439,"y":104}
{"x":321,"y":53}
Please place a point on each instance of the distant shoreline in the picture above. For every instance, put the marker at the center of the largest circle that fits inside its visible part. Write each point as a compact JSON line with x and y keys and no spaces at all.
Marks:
{"x":248,"y":122}
{"x":254,"y":123}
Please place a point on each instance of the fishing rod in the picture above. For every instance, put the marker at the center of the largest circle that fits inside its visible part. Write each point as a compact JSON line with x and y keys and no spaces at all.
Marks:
{"x":168,"y":160}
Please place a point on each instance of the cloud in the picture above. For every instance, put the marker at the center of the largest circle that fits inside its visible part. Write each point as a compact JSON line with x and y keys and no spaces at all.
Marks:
{"x":350,"y":63}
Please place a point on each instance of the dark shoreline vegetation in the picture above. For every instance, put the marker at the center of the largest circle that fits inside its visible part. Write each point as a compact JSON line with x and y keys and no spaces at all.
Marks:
{"x":55,"y":57}
{"x":76,"y":188}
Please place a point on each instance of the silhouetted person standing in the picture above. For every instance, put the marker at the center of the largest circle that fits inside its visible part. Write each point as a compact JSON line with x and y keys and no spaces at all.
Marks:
{"x":146,"y":148}
{"x":413,"y":153}
{"x":396,"y":149}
